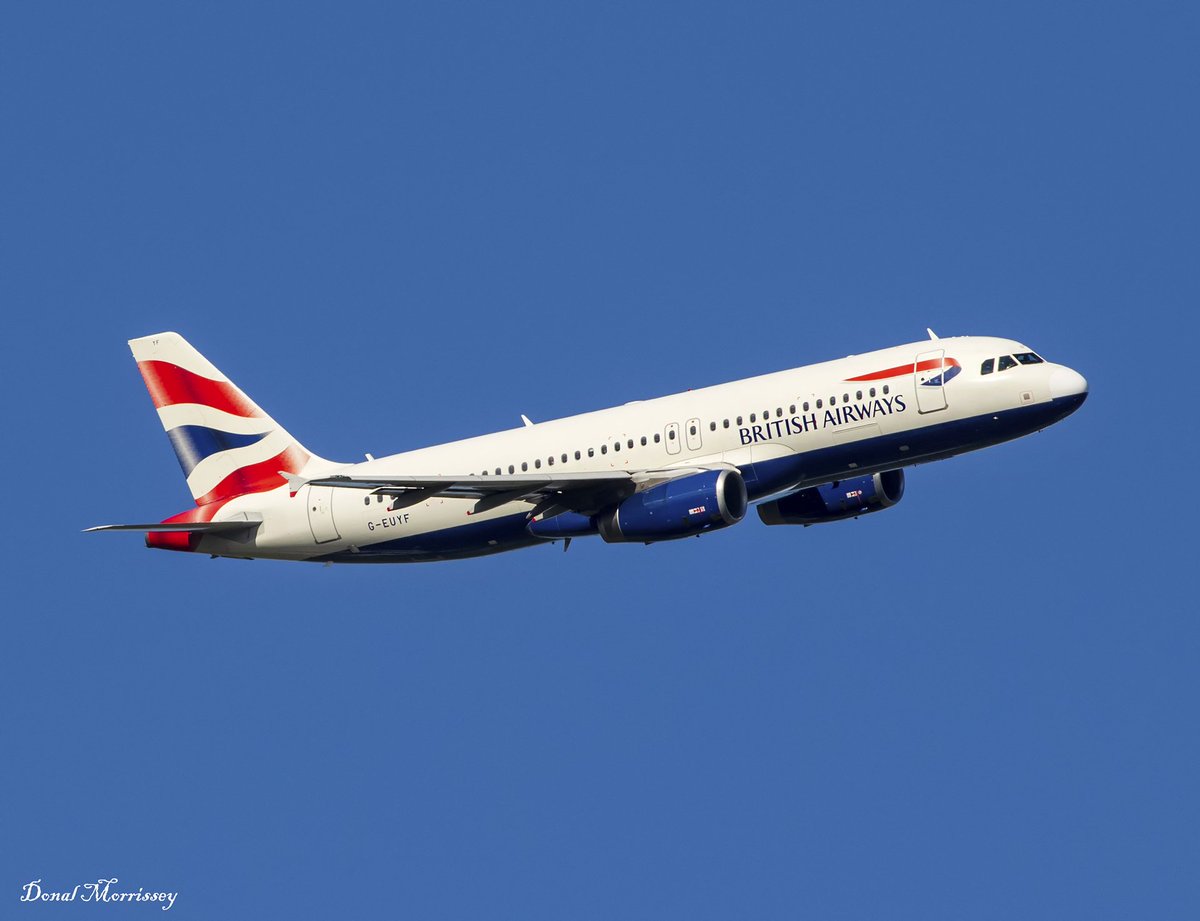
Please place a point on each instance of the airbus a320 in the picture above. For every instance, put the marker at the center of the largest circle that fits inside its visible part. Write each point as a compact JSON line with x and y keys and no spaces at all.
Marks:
{"x":812,"y":445}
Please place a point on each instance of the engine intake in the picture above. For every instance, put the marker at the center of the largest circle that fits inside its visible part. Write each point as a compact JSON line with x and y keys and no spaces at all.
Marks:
{"x":836,"y":501}
{"x":682,"y":507}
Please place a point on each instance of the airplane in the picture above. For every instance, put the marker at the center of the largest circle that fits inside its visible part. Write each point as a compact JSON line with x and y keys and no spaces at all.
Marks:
{"x":812,"y":445}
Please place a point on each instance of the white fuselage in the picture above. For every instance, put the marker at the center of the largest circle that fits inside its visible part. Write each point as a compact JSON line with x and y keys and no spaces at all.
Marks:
{"x":784,"y":431}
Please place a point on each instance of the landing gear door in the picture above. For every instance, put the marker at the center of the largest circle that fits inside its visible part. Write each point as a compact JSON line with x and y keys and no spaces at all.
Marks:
{"x":320,"y":514}
{"x":929,"y":374}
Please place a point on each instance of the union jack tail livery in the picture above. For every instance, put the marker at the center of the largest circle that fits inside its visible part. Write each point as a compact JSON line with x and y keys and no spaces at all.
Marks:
{"x":226,"y":445}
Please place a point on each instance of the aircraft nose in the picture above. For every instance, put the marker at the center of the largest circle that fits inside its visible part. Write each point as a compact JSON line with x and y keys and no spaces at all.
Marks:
{"x":1065,"y":382}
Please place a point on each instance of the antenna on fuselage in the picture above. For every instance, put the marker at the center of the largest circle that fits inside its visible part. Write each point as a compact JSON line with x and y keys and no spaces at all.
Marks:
{"x":932,"y":334}
{"x":525,"y":419}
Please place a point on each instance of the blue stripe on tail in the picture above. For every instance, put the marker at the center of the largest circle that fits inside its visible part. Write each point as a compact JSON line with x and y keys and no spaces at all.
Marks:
{"x":194,"y":443}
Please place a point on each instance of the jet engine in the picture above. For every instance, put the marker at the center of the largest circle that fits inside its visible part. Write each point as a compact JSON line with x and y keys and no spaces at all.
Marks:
{"x":835,"y":501}
{"x":682,"y":507}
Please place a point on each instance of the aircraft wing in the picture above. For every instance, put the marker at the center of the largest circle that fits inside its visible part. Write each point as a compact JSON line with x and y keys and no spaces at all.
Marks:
{"x":551,"y":492}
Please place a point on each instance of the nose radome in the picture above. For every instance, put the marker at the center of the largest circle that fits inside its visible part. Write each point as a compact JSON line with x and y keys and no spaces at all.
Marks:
{"x":1065,"y":382}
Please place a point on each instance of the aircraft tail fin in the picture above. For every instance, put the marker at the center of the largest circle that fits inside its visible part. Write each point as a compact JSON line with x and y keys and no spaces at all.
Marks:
{"x":226,"y":445}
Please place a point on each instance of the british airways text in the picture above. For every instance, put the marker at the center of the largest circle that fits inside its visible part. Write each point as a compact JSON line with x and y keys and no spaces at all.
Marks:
{"x":810,"y":422}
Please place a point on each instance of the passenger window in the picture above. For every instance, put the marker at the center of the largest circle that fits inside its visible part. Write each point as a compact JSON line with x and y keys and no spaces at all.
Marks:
{"x":725,"y":424}
{"x":603,"y":449}
{"x":591,"y":452}
{"x":988,"y":366}
{"x":629,"y":444}
{"x":858,"y":395}
{"x":538,"y":463}
{"x":497,"y":471}
{"x":692,"y":429}
{"x":753,"y":418}
{"x":739,"y":420}
{"x":564,"y":458}
{"x":512,"y":469}
{"x":833,"y":400}
{"x":872,"y":391}
{"x":657,"y":438}
{"x":886,"y":390}
{"x":792,"y":410}
{"x":550,"y":460}
{"x":524,"y":465}
{"x":778,"y":411}
{"x":819,"y":404}
{"x":1027,"y":358}
{"x":806,"y":407}
{"x":366,"y":500}
{"x":577,"y":455}
{"x":671,"y":434}
{"x":1006,"y":362}
{"x":712,"y":426}
{"x":845,"y":398}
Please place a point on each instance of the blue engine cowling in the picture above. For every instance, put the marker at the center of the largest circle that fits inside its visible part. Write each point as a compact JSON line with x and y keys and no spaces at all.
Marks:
{"x":835,"y":501}
{"x":566,"y":524}
{"x":683,"y":507}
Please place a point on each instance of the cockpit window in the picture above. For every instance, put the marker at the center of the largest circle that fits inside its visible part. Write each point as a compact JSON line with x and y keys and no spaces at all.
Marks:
{"x":1006,"y":362}
{"x":988,"y":366}
{"x":1027,"y":358}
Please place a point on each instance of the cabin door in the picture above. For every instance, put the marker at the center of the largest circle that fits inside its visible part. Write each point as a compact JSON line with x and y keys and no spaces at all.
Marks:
{"x":930,"y":381}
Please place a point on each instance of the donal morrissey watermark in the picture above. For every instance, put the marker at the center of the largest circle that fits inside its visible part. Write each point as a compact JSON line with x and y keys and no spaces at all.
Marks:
{"x":102,"y":890}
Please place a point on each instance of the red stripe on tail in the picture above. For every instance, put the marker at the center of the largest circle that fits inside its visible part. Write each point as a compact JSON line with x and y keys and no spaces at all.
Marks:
{"x":170,"y":384}
{"x":258,"y":477}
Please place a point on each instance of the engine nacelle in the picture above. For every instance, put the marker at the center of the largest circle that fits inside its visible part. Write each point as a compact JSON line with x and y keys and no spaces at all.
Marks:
{"x":835,"y":501}
{"x":563,"y":525}
{"x":683,"y":507}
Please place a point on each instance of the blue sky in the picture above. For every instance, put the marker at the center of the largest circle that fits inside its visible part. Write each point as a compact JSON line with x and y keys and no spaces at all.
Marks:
{"x":396,"y":226}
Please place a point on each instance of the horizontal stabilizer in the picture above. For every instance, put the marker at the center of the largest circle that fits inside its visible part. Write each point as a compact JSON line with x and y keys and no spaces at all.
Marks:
{"x":186,"y":527}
